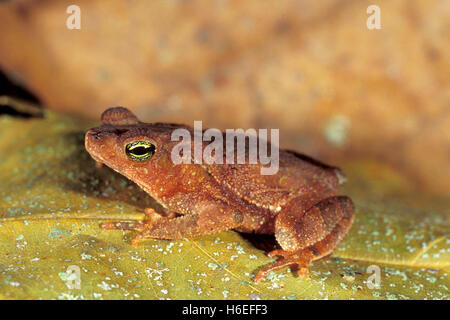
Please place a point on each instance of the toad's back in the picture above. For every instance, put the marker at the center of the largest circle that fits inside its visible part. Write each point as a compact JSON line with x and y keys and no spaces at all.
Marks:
{"x":298,"y":175}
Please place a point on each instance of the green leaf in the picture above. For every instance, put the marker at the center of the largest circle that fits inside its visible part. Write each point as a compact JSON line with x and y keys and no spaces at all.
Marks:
{"x":52,"y":200}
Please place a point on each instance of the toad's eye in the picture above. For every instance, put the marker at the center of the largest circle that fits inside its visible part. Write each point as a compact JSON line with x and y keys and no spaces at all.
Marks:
{"x":140,"y":150}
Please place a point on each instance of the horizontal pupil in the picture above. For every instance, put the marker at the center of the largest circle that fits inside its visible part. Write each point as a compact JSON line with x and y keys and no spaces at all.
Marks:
{"x":139,"y":151}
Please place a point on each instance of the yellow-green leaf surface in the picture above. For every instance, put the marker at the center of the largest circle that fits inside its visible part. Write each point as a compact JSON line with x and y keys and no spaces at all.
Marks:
{"x":53,"y":198}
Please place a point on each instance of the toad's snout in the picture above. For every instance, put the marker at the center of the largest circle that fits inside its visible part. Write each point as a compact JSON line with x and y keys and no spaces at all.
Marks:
{"x":93,"y":134}
{"x":94,"y":144}
{"x":93,"y":140}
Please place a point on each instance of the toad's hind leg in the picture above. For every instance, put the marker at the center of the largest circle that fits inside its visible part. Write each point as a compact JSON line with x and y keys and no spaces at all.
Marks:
{"x":309,"y":235}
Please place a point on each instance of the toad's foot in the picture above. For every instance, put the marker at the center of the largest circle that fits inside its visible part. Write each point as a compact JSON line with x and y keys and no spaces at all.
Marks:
{"x":300,"y":259}
{"x":152,"y":218}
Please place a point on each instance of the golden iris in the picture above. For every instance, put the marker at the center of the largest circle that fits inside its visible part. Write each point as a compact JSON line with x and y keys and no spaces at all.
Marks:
{"x":140,"y":150}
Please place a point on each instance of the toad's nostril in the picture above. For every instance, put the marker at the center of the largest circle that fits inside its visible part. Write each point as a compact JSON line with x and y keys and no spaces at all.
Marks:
{"x":94,"y":134}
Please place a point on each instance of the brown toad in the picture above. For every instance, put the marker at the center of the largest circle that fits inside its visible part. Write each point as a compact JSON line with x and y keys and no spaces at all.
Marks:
{"x":298,"y":204}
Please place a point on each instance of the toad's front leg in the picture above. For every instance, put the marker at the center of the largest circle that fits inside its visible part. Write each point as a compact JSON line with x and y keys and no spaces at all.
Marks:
{"x":309,"y":235}
{"x":211,"y":216}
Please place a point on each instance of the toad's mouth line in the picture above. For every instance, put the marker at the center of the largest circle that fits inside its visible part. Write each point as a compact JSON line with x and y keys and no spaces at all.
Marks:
{"x":98,"y":161}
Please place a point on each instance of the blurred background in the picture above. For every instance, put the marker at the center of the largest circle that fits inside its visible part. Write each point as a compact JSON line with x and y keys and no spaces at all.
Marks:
{"x":335,"y":89}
